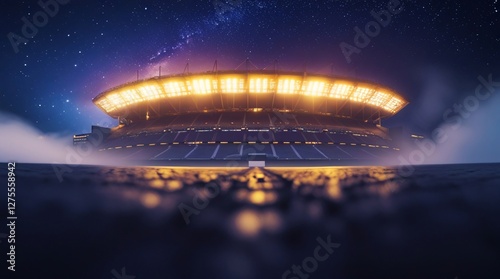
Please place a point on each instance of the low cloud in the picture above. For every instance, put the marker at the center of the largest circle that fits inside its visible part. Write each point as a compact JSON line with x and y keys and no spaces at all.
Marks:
{"x":23,"y":143}
{"x":476,"y":140}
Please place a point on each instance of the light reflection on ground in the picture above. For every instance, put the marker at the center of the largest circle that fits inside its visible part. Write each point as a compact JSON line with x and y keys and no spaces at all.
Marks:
{"x":261,"y":186}
{"x":257,"y":223}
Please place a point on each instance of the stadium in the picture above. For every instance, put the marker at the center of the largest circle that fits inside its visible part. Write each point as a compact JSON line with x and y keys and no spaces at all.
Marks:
{"x":246,"y":116}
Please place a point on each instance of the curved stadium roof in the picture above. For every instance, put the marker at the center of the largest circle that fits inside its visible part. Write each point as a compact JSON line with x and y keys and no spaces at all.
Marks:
{"x":231,"y":90}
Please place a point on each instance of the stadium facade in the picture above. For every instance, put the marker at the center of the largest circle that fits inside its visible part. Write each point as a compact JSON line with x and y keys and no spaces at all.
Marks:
{"x":245,"y":116}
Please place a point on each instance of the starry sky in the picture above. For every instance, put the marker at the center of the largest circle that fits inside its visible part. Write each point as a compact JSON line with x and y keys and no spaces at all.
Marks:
{"x":430,"y":52}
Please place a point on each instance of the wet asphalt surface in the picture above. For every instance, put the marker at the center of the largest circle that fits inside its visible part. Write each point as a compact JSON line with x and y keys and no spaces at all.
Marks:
{"x":155,"y":222}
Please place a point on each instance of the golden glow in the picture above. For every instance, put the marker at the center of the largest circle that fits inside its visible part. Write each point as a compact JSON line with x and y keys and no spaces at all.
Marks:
{"x":106,"y":104}
{"x":157,"y":183}
{"x":333,"y":181}
{"x":394,"y":104}
{"x":116,"y":100}
{"x":361,"y":94}
{"x":175,"y":88}
{"x":288,"y":86}
{"x":259,"y":85}
{"x":247,"y":223}
{"x":232,"y":85}
{"x":173,"y":185}
{"x":314,"y":88}
{"x":202,"y":86}
{"x":257,"y":197}
{"x":253,"y":84}
{"x":150,"y":200}
{"x":333,"y":188}
{"x":379,"y":98}
{"x":341,"y":91}
{"x":150,"y":92}
{"x":130,"y":96}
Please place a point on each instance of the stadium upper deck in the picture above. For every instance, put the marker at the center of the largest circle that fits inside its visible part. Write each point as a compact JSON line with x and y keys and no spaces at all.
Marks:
{"x":249,"y":90}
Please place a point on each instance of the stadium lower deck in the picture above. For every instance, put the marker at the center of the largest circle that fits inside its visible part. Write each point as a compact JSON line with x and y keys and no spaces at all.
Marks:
{"x":244,"y":135}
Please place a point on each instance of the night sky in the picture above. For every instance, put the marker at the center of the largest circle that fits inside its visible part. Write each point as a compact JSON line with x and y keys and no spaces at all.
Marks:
{"x":431,"y":51}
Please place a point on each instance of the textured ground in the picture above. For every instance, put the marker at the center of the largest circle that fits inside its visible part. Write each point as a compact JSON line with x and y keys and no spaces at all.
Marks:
{"x":440,"y":222}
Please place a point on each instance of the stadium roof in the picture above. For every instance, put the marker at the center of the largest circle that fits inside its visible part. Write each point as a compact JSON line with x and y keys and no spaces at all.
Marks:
{"x":260,"y":89}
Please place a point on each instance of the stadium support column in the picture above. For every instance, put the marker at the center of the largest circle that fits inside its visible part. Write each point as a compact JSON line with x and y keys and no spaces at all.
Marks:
{"x":377,"y":121}
{"x":313,"y":99}
{"x":373,"y":116}
{"x":326,"y":99}
{"x":233,"y":100}
{"x":284,"y":101}
{"x":350,"y":107}
{"x":215,"y":69}
{"x":336,"y":107}
{"x":247,"y":88}
{"x":275,"y":90}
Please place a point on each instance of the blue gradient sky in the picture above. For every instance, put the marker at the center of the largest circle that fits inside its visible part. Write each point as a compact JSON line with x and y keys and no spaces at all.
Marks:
{"x":431,"y":52}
